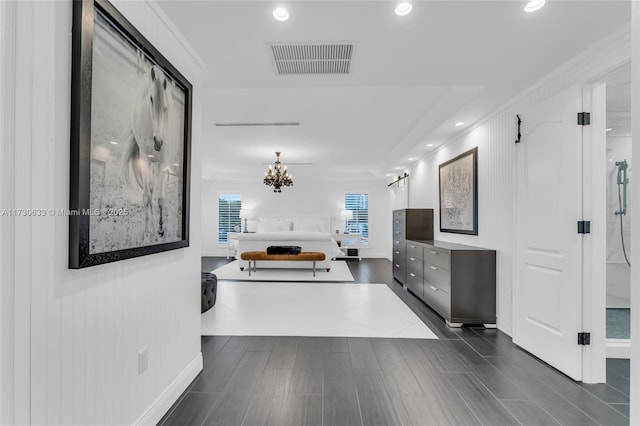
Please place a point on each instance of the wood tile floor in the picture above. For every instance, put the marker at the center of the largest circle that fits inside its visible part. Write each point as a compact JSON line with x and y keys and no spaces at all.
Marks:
{"x":470,"y":376}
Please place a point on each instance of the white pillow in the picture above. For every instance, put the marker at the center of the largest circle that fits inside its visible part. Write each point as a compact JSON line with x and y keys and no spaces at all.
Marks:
{"x":274,"y":226}
{"x":308,"y":225}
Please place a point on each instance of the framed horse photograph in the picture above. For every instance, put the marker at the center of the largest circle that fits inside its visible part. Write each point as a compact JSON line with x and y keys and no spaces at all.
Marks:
{"x":130,"y":142}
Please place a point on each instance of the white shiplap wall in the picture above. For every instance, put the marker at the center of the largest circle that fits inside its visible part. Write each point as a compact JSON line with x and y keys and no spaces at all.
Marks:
{"x":494,"y":136}
{"x":78,"y":332}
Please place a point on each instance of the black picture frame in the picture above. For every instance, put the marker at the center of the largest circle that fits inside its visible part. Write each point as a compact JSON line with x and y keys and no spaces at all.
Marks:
{"x":108,"y":219}
{"x":458,"y":194}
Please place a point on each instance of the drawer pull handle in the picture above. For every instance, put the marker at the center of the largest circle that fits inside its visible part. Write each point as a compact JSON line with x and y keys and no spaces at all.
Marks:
{"x":434,"y":252}
{"x":412,"y":246}
{"x":412,"y":258}
{"x":412,"y":275}
{"x":397,"y":242}
{"x":397,"y":252}
{"x":433,"y":268}
{"x":434,"y":288}
{"x":397,"y":266}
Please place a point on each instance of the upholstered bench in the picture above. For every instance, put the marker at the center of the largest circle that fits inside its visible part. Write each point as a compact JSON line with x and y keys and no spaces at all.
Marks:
{"x":305,"y":256}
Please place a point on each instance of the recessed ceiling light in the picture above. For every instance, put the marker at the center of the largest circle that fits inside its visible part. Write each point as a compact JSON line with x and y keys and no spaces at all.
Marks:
{"x":608,"y":129}
{"x":389,"y":174}
{"x":534,"y":5}
{"x":113,"y":143}
{"x":403,"y":8}
{"x":410,"y":158}
{"x":281,"y":14}
{"x":150,"y":156}
{"x":459,"y":123}
{"x":398,"y":168}
{"x":429,"y":145}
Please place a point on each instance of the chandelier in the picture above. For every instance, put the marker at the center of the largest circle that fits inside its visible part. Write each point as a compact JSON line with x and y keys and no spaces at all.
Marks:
{"x":277,"y":177}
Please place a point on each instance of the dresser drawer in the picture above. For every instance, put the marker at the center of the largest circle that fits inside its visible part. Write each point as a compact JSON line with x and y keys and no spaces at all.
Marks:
{"x":399,"y":271}
{"x":415,"y":284}
{"x":437,"y":276}
{"x":399,"y":247}
{"x":438,"y":299}
{"x":414,"y":250}
{"x":439,"y":258}
{"x":415,"y":266}
{"x":399,"y":214}
{"x":398,"y":254}
{"x":399,"y":233}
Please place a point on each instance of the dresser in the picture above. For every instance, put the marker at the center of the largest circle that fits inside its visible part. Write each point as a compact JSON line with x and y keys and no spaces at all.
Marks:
{"x":455,"y":280}
{"x":458,"y":281}
{"x":409,"y":224}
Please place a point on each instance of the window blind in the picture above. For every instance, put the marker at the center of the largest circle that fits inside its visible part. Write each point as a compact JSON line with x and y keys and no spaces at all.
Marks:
{"x":359,"y":205}
{"x":228,"y":214}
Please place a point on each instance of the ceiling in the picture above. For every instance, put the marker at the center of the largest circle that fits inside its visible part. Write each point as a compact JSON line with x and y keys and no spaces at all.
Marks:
{"x":411,"y":77}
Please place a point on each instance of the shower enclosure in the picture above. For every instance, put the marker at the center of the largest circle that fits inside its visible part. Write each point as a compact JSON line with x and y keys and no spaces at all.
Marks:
{"x":618,"y":235}
{"x":619,"y":180}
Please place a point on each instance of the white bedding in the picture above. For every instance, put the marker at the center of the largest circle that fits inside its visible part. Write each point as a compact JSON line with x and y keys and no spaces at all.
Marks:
{"x":308,"y":241}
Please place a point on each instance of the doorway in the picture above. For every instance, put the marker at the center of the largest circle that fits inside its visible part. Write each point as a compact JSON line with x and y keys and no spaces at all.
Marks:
{"x":618,"y":214}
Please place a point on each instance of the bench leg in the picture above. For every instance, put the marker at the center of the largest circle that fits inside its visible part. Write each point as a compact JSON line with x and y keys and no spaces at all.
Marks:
{"x":314,"y":268}
{"x":249,"y":268}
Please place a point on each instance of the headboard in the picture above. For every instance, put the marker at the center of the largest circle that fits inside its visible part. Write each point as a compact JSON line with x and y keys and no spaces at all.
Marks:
{"x":323,"y":222}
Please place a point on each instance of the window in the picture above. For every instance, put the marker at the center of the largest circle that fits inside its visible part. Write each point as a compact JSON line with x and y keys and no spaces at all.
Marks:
{"x":359,"y":205}
{"x":228,"y":214}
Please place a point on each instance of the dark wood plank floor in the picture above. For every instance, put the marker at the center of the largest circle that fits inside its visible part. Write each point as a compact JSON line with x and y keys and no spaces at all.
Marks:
{"x":469,"y":376}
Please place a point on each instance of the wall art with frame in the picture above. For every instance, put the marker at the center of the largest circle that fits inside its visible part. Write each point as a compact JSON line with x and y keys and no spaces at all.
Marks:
{"x":458,"y":181}
{"x":130,"y":142}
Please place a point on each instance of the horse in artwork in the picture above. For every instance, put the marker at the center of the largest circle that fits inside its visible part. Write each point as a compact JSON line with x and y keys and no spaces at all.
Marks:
{"x":149,"y":145}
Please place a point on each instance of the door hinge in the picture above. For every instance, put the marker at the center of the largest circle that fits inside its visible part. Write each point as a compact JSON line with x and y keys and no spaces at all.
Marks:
{"x":584,"y":118}
{"x":584,"y":227}
{"x":584,"y":338}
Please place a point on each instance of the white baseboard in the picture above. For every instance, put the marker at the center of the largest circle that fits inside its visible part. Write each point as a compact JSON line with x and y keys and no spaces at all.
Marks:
{"x":619,"y":348}
{"x":154,"y":413}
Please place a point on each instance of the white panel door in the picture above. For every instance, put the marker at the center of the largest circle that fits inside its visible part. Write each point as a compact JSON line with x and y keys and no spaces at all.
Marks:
{"x":548,"y":288}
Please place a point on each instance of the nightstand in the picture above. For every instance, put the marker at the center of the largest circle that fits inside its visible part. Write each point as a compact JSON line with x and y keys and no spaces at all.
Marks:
{"x":349,"y":244}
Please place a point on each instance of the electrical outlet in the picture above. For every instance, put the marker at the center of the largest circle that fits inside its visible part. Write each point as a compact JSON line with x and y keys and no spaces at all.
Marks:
{"x":143,"y":360}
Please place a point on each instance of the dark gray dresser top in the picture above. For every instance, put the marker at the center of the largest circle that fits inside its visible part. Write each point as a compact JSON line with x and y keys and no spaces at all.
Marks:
{"x":447,"y":246}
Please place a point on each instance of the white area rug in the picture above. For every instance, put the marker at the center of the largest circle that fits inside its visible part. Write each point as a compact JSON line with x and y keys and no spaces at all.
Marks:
{"x":339,"y":272}
{"x":311,"y":309}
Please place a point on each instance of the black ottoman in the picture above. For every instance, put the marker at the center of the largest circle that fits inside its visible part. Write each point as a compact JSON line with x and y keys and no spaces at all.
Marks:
{"x":209,"y":290}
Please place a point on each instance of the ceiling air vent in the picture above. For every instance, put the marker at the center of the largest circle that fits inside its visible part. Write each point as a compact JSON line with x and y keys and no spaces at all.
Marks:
{"x":312,"y":58}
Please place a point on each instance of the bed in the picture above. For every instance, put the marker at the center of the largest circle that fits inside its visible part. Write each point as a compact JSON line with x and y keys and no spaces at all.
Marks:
{"x":311,"y":233}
